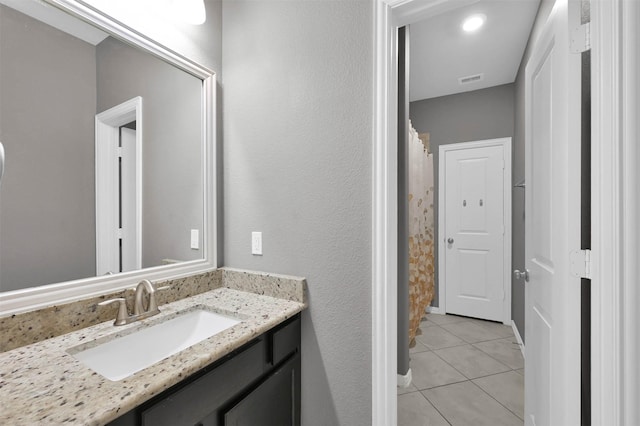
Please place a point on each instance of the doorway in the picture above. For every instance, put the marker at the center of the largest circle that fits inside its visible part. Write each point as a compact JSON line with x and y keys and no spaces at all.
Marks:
{"x":614,"y":318}
{"x":403,"y":16}
{"x":119,"y":188}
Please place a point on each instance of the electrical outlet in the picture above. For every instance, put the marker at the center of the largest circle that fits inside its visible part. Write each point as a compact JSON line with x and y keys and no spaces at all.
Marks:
{"x":256,"y":243}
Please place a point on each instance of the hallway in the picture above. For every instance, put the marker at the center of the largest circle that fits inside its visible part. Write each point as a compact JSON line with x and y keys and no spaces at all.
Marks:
{"x":465,"y":372}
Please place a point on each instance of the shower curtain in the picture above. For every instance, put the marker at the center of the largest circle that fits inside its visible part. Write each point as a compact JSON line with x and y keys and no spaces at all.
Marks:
{"x":421,"y":250}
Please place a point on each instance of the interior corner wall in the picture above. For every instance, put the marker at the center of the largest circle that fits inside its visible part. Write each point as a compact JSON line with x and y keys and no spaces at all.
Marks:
{"x":298,"y":130}
{"x":470,"y":116}
{"x":47,"y":213}
{"x":517,"y":220}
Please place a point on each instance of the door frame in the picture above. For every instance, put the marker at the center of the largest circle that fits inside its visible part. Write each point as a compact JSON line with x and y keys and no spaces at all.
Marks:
{"x":107,"y":191}
{"x":615,"y":243}
{"x":615,"y":269}
{"x":505,"y":143}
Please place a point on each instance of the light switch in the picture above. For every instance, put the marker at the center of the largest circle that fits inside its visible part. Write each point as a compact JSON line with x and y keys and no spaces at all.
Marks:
{"x":195,"y":239}
{"x":256,"y":243}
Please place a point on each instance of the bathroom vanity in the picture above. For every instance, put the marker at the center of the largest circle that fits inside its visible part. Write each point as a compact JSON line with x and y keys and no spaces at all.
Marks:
{"x":246,"y":374}
{"x":257,"y":384}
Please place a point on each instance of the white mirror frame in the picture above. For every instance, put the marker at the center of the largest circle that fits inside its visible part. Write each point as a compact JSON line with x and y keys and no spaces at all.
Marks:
{"x":24,"y":300}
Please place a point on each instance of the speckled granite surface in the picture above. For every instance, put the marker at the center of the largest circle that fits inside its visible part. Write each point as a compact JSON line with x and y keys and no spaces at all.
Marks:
{"x":274,"y":285}
{"x":42,"y":384}
{"x":35,"y":326}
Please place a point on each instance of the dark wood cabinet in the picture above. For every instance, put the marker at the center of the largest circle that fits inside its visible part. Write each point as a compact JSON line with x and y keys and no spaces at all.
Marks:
{"x":257,"y":384}
{"x":275,"y":402}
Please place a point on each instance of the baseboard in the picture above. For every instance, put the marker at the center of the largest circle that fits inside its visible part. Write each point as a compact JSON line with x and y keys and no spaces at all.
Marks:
{"x":404,"y":381}
{"x":435,"y":310}
{"x":518,"y":338}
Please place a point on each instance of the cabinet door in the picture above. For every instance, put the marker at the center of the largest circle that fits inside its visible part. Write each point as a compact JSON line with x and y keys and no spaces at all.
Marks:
{"x":202,"y":397}
{"x":275,"y":402}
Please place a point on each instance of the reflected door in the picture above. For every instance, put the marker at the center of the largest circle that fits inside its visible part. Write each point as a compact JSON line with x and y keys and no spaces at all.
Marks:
{"x":127,"y":201}
{"x":119,"y":188}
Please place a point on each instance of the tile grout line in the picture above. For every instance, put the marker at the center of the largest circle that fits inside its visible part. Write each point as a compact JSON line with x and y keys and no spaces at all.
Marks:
{"x":510,"y":369}
{"x":436,"y":408}
{"x":491,"y":396}
{"x":445,"y":361}
{"x":496,"y":359}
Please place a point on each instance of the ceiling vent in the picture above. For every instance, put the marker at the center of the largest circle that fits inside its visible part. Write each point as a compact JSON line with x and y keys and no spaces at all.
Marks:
{"x":471,"y":79}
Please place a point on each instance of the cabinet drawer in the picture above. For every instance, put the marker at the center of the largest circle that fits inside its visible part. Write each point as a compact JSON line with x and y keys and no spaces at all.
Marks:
{"x":199,"y":398}
{"x":285,"y":340}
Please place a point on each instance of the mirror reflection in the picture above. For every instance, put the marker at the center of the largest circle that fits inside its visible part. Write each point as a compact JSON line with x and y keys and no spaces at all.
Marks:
{"x":103,"y":153}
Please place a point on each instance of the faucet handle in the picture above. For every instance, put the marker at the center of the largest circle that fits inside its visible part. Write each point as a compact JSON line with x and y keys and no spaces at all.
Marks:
{"x":123,"y":314}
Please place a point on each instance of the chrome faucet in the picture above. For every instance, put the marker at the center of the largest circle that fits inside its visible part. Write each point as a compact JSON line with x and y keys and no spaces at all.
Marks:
{"x":139,"y":311}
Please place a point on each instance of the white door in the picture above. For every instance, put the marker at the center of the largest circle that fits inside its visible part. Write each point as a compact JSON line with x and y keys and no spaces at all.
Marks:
{"x":128,"y":197}
{"x":552,"y":226}
{"x":473,"y":243}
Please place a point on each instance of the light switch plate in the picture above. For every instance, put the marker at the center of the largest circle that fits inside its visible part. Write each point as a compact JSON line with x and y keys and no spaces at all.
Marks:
{"x":256,"y":243}
{"x":195,"y":239}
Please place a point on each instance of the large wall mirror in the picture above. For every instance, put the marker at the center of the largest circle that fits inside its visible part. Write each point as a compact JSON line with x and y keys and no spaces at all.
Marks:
{"x":109,"y":156}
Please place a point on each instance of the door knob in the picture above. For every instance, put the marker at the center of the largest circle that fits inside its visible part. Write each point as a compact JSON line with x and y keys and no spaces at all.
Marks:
{"x":450,"y":240}
{"x":521,"y":275}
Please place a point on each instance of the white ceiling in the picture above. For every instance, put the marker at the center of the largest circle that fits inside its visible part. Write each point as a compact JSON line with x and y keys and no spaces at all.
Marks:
{"x":441,"y":53}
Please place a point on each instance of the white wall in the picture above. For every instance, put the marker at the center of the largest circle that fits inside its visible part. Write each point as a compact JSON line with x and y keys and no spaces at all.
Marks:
{"x":298,"y":115}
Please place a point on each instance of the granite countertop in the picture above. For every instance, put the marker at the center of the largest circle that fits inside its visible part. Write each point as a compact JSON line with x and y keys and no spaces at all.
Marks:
{"x":42,"y":384}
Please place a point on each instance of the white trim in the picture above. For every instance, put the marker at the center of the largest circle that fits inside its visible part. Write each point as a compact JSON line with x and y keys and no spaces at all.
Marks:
{"x":404,"y":380}
{"x":18,"y":301}
{"x":384,"y":339}
{"x":615,"y":374}
{"x":605,"y":214}
{"x":409,"y":11}
{"x":518,"y":337}
{"x":435,"y":310}
{"x":108,"y":125}
{"x":505,"y":143}
{"x":630,"y":320}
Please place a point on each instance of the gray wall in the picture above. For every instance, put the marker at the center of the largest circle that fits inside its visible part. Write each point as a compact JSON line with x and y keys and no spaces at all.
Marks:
{"x":298,"y":83}
{"x":171,"y":146}
{"x":481,"y":114}
{"x":404,"y":49}
{"x":518,"y":237}
{"x":47,"y":214}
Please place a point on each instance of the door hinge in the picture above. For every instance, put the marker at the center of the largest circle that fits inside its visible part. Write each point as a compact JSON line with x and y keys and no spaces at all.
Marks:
{"x":581,"y":263}
{"x":119,"y":233}
{"x":580,"y":38}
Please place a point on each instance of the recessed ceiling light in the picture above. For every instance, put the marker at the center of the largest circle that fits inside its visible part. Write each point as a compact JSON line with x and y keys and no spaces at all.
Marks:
{"x":473,"y":22}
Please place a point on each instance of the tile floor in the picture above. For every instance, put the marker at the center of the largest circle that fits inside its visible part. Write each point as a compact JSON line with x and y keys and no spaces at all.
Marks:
{"x":465,"y":372}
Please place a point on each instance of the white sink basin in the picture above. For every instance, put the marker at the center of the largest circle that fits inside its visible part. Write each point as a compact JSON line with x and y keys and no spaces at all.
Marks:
{"x":122,"y":357}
